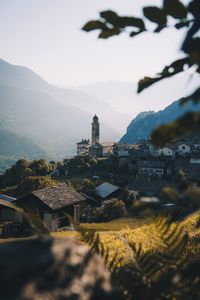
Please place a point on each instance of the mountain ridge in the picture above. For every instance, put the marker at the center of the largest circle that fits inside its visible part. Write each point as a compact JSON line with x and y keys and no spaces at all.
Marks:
{"x":144,"y":123}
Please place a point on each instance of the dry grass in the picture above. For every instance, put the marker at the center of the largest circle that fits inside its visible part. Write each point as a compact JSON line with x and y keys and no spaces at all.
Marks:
{"x":117,"y":234}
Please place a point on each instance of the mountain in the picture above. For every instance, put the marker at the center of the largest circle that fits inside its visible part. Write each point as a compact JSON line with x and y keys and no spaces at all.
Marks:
{"x":22,"y":77}
{"x":14,"y":146}
{"x":123,"y":97}
{"x":141,"y":127}
{"x":46,"y":117}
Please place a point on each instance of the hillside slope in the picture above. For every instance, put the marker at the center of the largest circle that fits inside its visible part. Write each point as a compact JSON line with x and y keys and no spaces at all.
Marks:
{"x":14,"y":146}
{"x":44,"y":115}
{"x":141,"y":127}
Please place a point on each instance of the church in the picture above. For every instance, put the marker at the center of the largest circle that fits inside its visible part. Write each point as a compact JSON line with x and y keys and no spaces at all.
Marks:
{"x":95,"y":148}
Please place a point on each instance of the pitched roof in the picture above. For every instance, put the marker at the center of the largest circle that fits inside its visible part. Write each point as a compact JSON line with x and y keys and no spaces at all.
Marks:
{"x":59,"y":196}
{"x":84,"y":142}
{"x":106,"y":189}
{"x":7,"y":198}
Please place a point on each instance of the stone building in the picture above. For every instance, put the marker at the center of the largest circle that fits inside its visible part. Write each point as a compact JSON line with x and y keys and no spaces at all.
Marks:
{"x":95,"y":148}
{"x":83,"y":147}
{"x":95,"y":130}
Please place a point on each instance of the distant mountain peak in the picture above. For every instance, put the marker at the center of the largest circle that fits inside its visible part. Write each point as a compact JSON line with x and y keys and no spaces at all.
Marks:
{"x":141,"y":127}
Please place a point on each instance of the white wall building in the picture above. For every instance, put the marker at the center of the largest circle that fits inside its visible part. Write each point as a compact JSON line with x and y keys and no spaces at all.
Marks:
{"x":166,"y":151}
{"x":184,"y":149}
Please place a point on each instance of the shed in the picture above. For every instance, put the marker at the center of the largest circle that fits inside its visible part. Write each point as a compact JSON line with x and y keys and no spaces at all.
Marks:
{"x":107,"y":190}
{"x":53,"y":202}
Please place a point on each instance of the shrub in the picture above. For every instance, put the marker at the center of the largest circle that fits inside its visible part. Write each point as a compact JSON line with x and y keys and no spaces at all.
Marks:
{"x":111,"y":209}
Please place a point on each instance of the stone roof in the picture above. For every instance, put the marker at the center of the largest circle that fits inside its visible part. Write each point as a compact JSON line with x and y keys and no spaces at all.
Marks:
{"x":58,"y":196}
{"x":106,"y":189}
{"x":84,"y":142}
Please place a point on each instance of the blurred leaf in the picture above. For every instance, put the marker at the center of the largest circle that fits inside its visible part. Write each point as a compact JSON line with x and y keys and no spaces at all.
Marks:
{"x":146,"y":82}
{"x":132,"y":22}
{"x":195,"y":97}
{"x":134,"y":33}
{"x":183,"y":24}
{"x":155,"y":14}
{"x":188,"y":123}
{"x":194,"y":195}
{"x":159,"y":28}
{"x":175,"y":68}
{"x":175,"y":9}
{"x":110,"y":16}
{"x":193,"y":49}
{"x":108,"y":33}
{"x":171,"y":193}
{"x":93,"y":25}
{"x":194,"y":8}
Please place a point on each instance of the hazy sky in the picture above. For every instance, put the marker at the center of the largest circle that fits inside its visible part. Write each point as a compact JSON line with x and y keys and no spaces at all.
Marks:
{"x":45,"y":36}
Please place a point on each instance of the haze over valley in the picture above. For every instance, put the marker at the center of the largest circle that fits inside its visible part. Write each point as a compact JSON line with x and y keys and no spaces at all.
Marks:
{"x":54,"y":119}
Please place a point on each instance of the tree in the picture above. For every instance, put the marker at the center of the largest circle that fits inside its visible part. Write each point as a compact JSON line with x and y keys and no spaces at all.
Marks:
{"x":41,"y":167}
{"x":111,"y":209}
{"x":33,"y":183}
{"x":185,"y":16}
{"x":87,"y":185}
{"x":16,"y":173}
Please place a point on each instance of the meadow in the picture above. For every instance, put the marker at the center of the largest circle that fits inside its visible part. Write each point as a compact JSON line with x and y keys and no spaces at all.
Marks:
{"x":117,"y":235}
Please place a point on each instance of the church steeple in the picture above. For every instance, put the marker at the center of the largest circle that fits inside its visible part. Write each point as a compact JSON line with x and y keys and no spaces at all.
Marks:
{"x":95,"y":130}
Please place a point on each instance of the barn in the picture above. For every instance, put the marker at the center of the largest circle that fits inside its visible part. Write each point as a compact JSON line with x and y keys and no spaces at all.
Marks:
{"x":53,"y":203}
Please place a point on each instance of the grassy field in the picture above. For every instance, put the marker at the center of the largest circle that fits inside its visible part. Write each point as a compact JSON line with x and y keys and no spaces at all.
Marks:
{"x":117,"y":234}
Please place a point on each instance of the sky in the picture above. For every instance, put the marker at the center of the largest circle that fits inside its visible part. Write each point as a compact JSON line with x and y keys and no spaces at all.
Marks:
{"x":46,"y":36}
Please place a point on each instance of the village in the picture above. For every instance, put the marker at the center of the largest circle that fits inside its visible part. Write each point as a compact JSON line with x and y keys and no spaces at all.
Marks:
{"x":105,"y":181}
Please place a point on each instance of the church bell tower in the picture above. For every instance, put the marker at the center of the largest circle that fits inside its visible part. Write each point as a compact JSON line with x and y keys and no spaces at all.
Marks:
{"x":95,"y":130}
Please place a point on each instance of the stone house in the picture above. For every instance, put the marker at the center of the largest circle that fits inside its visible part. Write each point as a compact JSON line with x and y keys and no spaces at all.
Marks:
{"x":166,"y":151}
{"x":83,"y":147}
{"x":53,"y":203}
{"x":195,"y":158}
{"x":96,"y":150}
{"x":151,"y":167}
{"x":107,"y":191}
{"x":184,"y":149}
{"x":145,"y":185}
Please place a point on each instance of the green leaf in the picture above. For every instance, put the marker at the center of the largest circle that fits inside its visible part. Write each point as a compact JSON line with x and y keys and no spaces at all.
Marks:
{"x":146,"y":82}
{"x":175,"y":68}
{"x":131,"y":22}
{"x":175,"y":9}
{"x":134,"y":33}
{"x":110,"y":16}
{"x":194,"y":8}
{"x":108,"y":33}
{"x":183,"y":24}
{"x":155,"y":15}
{"x":93,"y":25}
